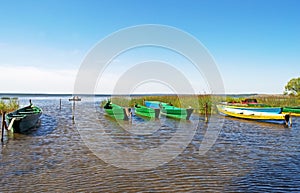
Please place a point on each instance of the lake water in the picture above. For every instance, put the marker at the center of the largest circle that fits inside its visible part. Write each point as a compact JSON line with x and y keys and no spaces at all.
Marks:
{"x":247,"y":156}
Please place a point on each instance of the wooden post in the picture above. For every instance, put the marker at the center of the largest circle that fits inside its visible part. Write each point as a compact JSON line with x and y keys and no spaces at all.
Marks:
{"x":291,"y":124}
{"x":75,"y":98}
{"x":206,"y":113}
{"x":5,"y":125}
{"x":2,"y":128}
{"x":73,"y":110}
{"x":288,"y":120}
{"x":59,"y":104}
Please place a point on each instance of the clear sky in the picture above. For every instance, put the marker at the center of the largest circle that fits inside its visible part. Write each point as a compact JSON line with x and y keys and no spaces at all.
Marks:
{"x":255,"y":43}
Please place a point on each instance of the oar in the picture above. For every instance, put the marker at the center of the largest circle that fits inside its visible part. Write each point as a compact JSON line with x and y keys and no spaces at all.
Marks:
{"x":11,"y":124}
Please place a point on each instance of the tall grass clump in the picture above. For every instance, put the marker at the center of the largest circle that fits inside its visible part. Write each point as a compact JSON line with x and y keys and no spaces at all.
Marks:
{"x":8,"y":104}
{"x":198,"y":102}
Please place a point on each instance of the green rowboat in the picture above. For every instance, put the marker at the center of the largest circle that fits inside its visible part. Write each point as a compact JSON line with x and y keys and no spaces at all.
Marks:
{"x":116,"y":111}
{"x":292,"y":110}
{"x":177,"y":113}
{"x":147,"y":111}
{"x":171,"y":111}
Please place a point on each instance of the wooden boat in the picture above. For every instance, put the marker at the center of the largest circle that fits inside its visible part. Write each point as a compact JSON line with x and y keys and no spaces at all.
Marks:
{"x":248,"y":103}
{"x":146,"y":111}
{"x":75,"y":98}
{"x":276,"y":110}
{"x":23,"y":119}
{"x":253,"y":115}
{"x":116,"y":111}
{"x":291,"y":110}
{"x":171,"y":111}
{"x":152,"y":104}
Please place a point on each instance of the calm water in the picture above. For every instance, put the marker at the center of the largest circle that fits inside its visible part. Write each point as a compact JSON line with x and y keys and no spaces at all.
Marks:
{"x":247,"y":156}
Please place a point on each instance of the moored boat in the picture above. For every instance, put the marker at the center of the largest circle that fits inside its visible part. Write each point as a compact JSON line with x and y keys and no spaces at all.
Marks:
{"x":152,"y":104}
{"x":250,"y":102}
{"x":291,"y":110}
{"x":146,"y":111}
{"x":254,"y":115}
{"x":116,"y":111}
{"x":75,"y":98}
{"x":276,"y":110}
{"x":24,"y":118}
{"x":171,"y":111}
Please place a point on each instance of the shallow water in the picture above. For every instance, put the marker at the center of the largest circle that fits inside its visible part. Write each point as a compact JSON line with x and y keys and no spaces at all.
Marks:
{"x":247,"y":156}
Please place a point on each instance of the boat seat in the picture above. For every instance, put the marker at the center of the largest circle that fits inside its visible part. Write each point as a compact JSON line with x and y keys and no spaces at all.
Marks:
{"x":17,"y":115}
{"x":26,"y":112}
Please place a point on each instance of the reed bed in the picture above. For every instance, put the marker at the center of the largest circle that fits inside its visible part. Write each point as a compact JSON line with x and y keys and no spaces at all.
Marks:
{"x":271,"y":100}
{"x":279,"y":101}
{"x":200,"y":102}
{"x":8,"y":104}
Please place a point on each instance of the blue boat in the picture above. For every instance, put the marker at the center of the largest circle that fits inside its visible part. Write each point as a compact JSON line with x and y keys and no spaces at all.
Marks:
{"x":276,"y":110}
{"x":152,"y":104}
{"x":171,"y":111}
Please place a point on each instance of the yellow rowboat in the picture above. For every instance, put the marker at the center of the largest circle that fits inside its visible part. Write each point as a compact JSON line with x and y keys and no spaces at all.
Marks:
{"x":253,"y":115}
{"x":292,"y":114}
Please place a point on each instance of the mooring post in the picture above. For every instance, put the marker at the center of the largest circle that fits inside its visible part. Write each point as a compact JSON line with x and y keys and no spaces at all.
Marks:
{"x":206,"y":112}
{"x":73,"y":110}
{"x":74,"y":99}
{"x":59,"y":104}
{"x":2,"y":127}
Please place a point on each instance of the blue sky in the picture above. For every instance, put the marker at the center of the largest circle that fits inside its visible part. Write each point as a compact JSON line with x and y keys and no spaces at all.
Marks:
{"x":255,"y":43}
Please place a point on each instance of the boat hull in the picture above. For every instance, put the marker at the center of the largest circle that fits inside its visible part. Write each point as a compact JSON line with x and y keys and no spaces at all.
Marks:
{"x":24,"y":119}
{"x":171,"y":111}
{"x":253,"y":115}
{"x":295,"y":111}
{"x":276,"y":110}
{"x":152,"y":104}
{"x":147,"y":111}
{"x":177,"y":113}
{"x":117,"y":112}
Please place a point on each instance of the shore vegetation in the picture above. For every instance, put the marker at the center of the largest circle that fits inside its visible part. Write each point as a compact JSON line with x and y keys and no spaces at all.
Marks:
{"x":8,"y":104}
{"x":201,"y":102}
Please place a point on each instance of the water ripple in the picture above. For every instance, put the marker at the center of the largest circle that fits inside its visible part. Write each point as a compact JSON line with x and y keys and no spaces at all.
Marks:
{"x":247,"y":157}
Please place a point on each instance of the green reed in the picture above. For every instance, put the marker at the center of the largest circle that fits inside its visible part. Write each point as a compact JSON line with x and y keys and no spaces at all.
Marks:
{"x":271,"y":100}
{"x":198,"y":102}
{"x":201,"y":102}
{"x":279,"y":101}
{"x":8,"y":104}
